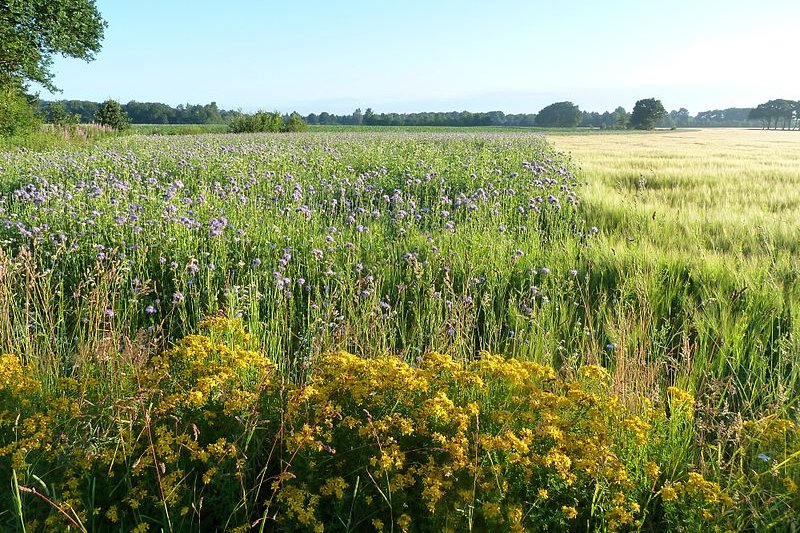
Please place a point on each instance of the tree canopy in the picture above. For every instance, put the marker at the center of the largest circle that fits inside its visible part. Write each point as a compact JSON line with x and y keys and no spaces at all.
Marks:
{"x":785,"y":113}
{"x":111,"y":114}
{"x":33,"y":31}
{"x":559,"y":115}
{"x":646,"y":113}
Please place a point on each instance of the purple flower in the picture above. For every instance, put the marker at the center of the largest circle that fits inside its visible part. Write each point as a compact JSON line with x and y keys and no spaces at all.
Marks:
{"x":150,"y":310}
{"x":177,"y":298}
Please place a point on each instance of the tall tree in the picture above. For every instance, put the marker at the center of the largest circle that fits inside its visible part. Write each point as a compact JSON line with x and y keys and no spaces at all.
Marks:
{"x":33,"y":31}
{"x":646,"y":113}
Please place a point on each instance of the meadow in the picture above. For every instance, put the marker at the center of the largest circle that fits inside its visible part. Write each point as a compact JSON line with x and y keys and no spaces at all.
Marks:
{"x":401,"y":331}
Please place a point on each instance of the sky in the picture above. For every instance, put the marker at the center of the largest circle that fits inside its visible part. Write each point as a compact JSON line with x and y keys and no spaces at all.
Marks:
{"x":428,"y":55}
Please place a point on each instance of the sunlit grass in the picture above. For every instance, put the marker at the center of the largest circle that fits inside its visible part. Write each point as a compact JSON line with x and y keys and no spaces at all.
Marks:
{"x":729,"y":192}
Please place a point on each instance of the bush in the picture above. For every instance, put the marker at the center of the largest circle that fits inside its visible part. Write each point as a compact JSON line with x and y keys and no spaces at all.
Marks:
{"x":295,"y":123}
{"x":58,"y":115}
{"x":111,"y":114}
{"x":17,"y":113}
{"x":266,"y":122}
{"x":256,"y":123}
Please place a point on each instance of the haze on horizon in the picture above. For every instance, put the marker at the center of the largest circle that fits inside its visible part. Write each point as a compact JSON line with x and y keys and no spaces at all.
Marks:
{"x":513,"y":56}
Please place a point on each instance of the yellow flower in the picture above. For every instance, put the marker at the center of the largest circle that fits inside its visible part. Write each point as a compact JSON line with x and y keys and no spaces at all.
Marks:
{"x":652,"y":469}
{"x":569,"y":512}
{"x":334,"y":486}
{"x":404,"y":521}
{"x":111,"y":514}
{"x":668,"y":494}
{"x":681,"y":401}
{"x":542,"y":493}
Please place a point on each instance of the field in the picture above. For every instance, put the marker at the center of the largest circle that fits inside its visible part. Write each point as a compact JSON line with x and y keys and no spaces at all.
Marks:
{"x":410,"y":331}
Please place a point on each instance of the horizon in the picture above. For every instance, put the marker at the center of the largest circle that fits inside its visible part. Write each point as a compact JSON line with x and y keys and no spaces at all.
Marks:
{"x":508,"y":57}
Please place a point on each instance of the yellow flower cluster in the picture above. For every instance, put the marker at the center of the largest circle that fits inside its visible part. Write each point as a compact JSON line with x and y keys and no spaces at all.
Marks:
{"x":701,"y":497}
{"x":463,"y":442}
{"x":770,"y":429}
{"x":206,"y":434}
{"x":681,"y":402}
{"x":212,"y":368}
{"x":179,"y":434}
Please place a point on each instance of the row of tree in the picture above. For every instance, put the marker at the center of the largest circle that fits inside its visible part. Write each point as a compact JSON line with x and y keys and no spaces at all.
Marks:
{"x":148,"y":112}
{"x":450,"y":118}
{"x":559,"y":114}
{"x":780,"y":112}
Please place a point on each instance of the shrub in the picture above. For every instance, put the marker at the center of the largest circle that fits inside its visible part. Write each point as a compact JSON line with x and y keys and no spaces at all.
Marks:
{"x":58,"y":115}
{"x":111,"y":114}
{"x":256,"y":123}
{"x":266,"y":122}
{"x":295,"y":123}
{"x":17,"y":114}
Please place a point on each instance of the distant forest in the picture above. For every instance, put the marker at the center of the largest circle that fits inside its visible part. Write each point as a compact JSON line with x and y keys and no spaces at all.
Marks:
{"x":158,"y":113}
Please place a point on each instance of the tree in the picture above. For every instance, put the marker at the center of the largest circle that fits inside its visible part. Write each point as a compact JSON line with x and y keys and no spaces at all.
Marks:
{"x":111,"y":114}
{"x":770,"y":113}
{"x":620,"y":118}
{"x":32,"y":31}
{"x":17,"y":112}
{"x":559,"y":115}
{"x":369,"y":117}
{"x":57,"y":114}
{"x":681,"y":117}
{"x":646,"y":113}
{"x":295,"y":123}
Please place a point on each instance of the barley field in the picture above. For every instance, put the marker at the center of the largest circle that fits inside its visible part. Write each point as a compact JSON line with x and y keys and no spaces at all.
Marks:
{"x":401,"y":331}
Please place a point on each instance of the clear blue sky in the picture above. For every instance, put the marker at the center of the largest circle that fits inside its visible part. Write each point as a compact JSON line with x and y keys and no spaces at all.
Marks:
{"x":414,"y":55}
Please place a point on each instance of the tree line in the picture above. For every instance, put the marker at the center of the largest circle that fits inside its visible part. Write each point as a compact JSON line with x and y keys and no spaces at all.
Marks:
{"x":146,"y":112}
{"x":559,"y":114}
{"x":775,"y":113}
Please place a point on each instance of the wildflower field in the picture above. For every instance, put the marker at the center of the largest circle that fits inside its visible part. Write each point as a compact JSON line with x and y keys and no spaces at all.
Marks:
{"x":355,"y":331}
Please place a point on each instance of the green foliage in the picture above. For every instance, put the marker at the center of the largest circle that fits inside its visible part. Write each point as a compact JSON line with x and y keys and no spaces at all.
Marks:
{"x":559,"y":115}
{"x":785,"y":113}
{"x":33,"y":31}
{"x":646,"y":113}
{"x":58,"y":115}
{"x":17,"y":113}
{"x":261,"y":121}
{"x":295,"y":123}
{"x":111,"y":114}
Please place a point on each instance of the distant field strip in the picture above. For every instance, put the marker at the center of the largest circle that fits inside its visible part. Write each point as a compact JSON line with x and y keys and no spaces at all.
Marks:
{"x":726,"y":192}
